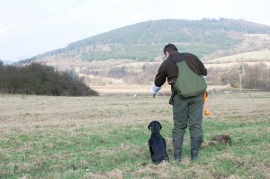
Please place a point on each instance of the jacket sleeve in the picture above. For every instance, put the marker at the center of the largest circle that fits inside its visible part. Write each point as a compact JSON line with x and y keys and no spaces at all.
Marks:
{"x":203,"y":70}
{"x":160,"y":78}
{"x":195,"y":64}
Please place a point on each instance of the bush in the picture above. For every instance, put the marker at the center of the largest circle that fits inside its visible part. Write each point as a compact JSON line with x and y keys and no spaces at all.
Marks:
{"x":39,"y":79}
{"x":257,"y":76}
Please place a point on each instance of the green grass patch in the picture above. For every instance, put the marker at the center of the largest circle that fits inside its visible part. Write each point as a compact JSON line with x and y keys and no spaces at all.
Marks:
{"x":112,"y":142}
{"x":35,"y":156}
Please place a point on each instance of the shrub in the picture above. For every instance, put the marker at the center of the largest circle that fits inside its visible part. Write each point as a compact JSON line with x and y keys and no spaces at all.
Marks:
{"x":39,"y":79}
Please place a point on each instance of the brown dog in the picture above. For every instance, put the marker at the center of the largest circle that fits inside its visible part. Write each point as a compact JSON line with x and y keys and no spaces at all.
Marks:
{"x":223,"y":139}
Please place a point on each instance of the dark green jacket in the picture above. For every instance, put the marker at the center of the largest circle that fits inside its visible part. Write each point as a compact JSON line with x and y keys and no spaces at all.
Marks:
{"x":168,"y":69}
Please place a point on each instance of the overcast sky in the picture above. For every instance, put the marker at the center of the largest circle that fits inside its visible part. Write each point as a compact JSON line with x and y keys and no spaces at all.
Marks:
{"x":31,"y":27}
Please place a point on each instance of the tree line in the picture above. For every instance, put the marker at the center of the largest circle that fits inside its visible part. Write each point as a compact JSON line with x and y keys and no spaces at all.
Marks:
{"x":255,"y":76}
{"x":40,"y":79}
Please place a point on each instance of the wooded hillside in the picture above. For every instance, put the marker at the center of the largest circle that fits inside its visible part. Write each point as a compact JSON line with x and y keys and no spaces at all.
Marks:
{"x":132,"y":54}
{"x":144,"y":41}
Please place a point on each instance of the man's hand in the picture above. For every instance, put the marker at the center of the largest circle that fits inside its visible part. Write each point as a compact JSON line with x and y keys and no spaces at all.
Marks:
{"x":154,"y":89}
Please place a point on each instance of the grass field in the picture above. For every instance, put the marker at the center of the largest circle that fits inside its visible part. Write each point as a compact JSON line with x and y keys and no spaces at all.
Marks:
{"x":263,"y":37}
{"x":256,"y":56}
{"x":106,"y":137}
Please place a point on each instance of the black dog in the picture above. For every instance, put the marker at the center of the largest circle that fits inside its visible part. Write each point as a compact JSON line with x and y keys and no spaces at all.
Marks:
{"x":157,"y":144}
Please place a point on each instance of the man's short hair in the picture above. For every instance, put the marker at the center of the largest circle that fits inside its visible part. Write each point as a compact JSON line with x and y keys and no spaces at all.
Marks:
{"x":169,"y":48}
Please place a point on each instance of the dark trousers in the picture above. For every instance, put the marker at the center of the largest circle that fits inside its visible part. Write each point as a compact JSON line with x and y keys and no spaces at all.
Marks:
{"x":187,"y":112}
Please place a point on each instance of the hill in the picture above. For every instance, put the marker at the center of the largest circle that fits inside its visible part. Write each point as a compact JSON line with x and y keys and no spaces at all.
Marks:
{"x":247,"y":57}
{"x":144,"y":41}
{"x":121,"y":55}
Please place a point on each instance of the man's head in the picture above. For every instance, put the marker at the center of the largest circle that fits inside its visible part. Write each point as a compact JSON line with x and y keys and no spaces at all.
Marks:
{"x":168,"y":49}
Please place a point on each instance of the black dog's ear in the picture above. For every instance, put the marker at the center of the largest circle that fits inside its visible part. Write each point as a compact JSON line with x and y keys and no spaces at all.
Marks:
{"x":149,"y":126}
{"x":160,"y":126}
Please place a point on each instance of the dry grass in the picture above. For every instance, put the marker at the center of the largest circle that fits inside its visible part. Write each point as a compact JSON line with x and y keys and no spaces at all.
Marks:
{"x":263,"y":37}
{"x":139,"y":89}
{"x":233,"y":64}
{"x":256,"y":56}
{"x":44,"y":137}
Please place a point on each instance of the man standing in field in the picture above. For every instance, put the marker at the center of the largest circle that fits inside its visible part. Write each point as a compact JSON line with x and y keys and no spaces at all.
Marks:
{"x":186,"y":110}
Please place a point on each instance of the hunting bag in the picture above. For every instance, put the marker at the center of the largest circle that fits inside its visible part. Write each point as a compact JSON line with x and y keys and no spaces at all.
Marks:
{"x":188,"y":83}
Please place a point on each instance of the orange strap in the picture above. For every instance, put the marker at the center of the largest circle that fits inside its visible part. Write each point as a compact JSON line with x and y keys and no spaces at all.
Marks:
{"x":204,"y":97}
